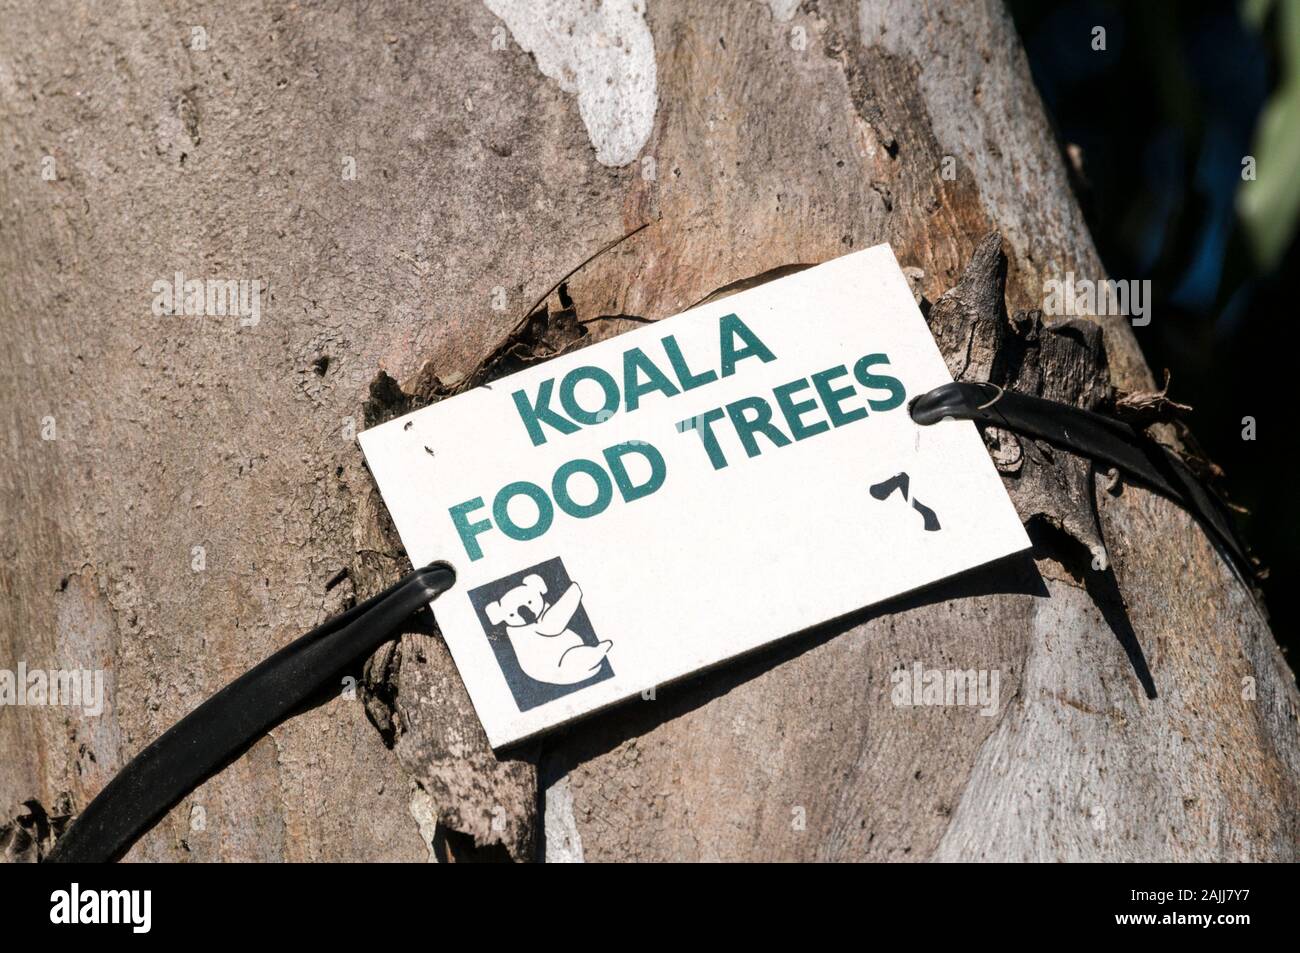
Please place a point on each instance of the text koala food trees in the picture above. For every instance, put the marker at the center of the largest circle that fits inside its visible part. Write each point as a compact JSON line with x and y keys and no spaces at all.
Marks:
{"x":807,"y":406}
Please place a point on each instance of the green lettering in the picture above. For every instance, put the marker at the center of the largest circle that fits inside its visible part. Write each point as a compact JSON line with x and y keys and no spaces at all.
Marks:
{"x":560,"y":488}
{"x":607,"y":384}
{"x":468,"y":531}
{"x":880,"y":381}
{"x":688,"y":380}
{"x":635,"y":360}
{"x":731,"y":327}
{"x":761,"y":422}
{"x":614,"y":458}
{"x":793,"y":412}
{"x":500,"y":511}
{"x":534,"y":415}
{"x":832,"y":397}
{"x":703,"y":424}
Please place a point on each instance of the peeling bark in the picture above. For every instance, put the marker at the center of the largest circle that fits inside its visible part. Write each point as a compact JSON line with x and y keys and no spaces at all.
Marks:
{"x":480,"y":234}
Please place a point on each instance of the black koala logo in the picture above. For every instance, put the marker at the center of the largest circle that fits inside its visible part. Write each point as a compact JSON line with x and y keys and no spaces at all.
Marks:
{"x":540,"y":633}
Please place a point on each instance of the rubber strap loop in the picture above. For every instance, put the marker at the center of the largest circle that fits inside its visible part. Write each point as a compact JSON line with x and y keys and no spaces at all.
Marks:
{"x":1087,"y":434}
{"x":224,"y":726}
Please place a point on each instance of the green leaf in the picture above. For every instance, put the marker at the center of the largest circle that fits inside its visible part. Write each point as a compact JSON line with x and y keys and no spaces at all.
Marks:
{"x":1269,"y":207}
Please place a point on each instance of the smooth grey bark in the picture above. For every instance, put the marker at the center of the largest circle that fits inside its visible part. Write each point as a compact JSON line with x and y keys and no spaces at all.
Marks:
{"x":780,"y":136}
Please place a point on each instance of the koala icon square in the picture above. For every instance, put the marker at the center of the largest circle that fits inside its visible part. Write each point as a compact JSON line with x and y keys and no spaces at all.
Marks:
{"x":540,"y":633}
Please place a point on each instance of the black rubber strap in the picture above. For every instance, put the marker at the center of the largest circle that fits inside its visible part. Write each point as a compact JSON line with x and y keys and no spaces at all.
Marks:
{"x":223,"y":727}
{"x":1088,"y":434}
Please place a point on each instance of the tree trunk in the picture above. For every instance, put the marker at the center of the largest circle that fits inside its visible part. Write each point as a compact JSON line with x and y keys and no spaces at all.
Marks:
{"x":183,"y":495}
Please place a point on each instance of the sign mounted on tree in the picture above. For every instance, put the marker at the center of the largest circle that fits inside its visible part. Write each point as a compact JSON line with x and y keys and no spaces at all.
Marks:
{"x":668,"y":499}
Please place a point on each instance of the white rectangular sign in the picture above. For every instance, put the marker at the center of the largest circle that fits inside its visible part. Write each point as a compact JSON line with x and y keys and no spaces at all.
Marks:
{"x":662,"y":501}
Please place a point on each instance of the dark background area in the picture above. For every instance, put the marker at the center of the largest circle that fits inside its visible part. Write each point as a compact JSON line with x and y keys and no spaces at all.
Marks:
{"x":1159,"y":124}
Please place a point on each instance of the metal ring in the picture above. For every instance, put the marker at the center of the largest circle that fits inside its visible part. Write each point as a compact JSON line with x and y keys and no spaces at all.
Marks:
{"x":995,"y":399}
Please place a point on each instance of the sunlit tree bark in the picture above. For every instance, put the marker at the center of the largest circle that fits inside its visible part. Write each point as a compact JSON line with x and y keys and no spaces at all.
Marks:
{"x":424,"y":203}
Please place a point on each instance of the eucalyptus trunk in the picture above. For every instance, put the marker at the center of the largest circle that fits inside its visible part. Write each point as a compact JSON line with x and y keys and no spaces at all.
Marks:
{"x":429,"y":195}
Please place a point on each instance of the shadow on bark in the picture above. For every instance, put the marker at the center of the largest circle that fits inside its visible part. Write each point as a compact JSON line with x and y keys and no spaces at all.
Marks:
{"x":1102,"y":587}
{"x":1014,"y":575}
